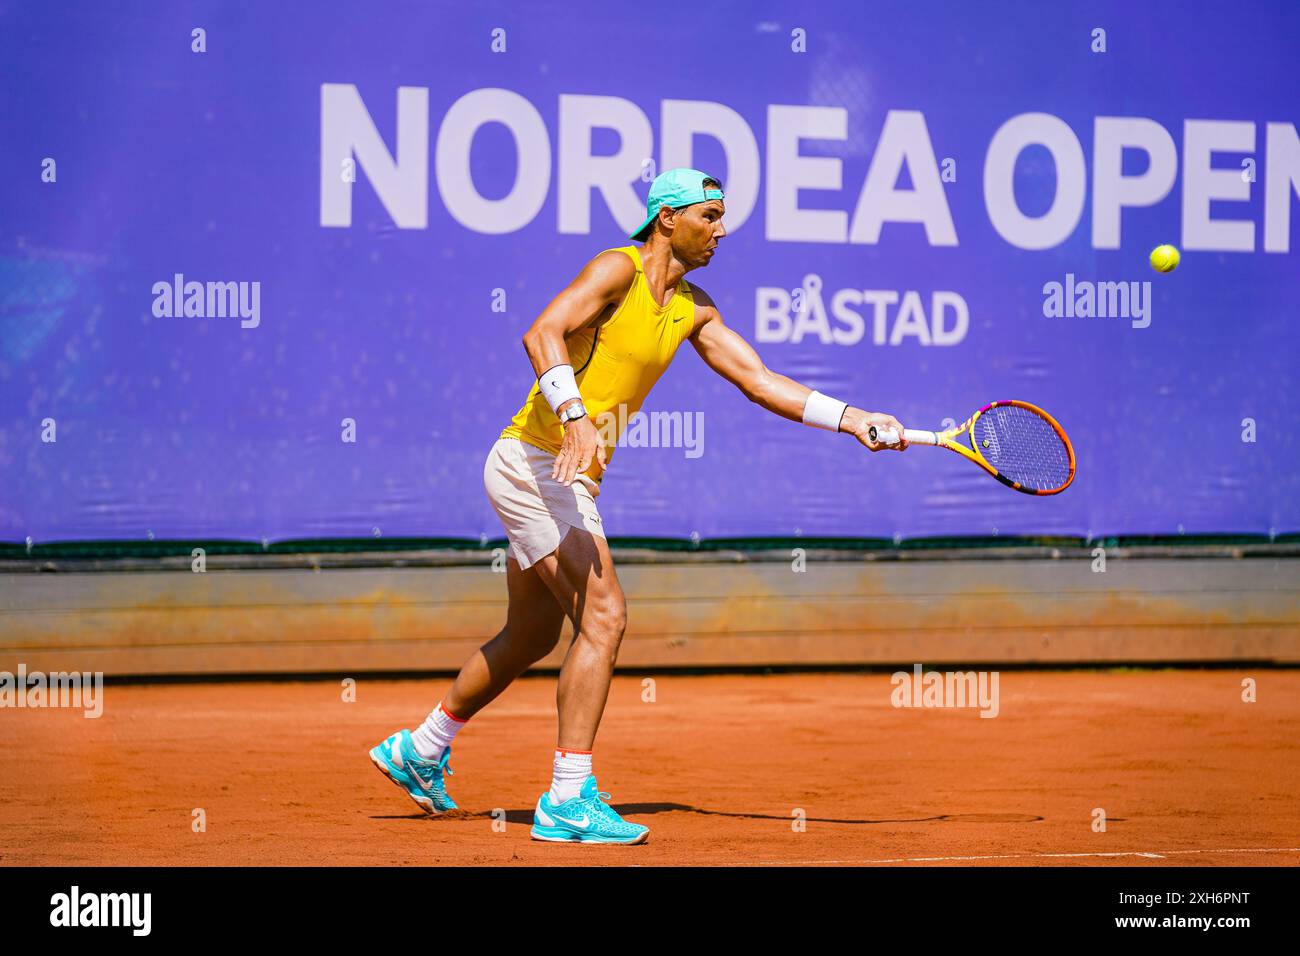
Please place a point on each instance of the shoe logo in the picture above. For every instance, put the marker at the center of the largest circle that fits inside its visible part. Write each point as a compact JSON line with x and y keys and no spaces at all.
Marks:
{"x":428,"y":786}
{"x":579,"y":824}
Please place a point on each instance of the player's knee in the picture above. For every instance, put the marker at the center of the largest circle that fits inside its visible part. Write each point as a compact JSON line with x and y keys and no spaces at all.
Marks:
{"x":544,"y":644}
{"x":533,"y":641}
{"x":529,"y":635}
{"x":605,"y":624}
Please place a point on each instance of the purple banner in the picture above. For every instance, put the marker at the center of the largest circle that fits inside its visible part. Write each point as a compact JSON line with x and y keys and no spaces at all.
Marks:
{"x":265,"y":268}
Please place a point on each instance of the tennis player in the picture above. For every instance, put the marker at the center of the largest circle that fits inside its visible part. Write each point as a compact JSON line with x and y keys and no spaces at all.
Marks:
{"x":602,"y":343}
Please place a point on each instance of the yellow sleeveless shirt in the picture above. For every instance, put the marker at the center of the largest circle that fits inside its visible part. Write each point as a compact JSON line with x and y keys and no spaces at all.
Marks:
{"x":615,"y":365}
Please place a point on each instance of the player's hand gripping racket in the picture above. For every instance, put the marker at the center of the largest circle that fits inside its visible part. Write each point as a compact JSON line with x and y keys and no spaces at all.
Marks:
{"x":1017,"y":443}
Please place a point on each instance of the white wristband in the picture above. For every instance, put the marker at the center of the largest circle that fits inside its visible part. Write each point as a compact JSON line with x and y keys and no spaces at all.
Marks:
{"x":822,"y":411}
{"x":559,"y":385}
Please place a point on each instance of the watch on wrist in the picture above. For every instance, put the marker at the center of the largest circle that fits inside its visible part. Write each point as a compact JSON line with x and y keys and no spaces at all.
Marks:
{"x":573,"y":412}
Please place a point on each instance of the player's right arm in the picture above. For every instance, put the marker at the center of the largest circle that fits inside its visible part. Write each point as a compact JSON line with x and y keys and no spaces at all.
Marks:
{"x":726,"y":352}
{"x":602,"y":283}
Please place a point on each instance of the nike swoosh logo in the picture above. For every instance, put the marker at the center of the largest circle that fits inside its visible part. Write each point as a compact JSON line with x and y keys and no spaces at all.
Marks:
{"x":425,"y":785}
{"x":679,"y":318}
{"x":580,"y":824}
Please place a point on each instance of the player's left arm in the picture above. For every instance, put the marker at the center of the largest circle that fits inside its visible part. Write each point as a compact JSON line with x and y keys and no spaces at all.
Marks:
{"x":728,"y":354}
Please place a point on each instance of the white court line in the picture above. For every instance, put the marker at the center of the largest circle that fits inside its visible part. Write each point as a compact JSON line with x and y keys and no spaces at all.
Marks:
{"x":1026,"y":856}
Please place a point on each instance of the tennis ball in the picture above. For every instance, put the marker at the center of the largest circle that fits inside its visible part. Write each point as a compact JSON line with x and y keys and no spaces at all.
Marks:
{"x":1164,"y":258}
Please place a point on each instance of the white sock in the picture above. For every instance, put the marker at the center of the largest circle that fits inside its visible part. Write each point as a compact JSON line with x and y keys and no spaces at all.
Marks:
{"x":572,"y":768}
{"x":434,"y":736}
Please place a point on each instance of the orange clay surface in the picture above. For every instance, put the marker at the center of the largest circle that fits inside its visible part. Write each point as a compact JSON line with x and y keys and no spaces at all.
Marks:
{"x":719,"y":768}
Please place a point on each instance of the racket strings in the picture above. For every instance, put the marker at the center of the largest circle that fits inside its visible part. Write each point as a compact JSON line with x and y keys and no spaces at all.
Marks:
{"x":1023,"y":446}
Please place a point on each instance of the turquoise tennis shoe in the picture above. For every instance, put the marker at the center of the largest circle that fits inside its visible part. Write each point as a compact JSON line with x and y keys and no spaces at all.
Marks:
{"x":422,"y":779}
{"x":586,"y":818}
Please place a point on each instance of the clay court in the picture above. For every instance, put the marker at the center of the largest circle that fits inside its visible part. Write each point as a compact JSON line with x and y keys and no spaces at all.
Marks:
{"x":1186,"y":772}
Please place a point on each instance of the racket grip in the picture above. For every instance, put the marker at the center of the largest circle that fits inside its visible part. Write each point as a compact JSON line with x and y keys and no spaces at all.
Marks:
{"x":889,"y":437}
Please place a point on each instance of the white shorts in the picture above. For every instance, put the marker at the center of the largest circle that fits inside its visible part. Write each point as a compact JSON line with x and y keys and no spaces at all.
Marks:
{"x":536,"y":509}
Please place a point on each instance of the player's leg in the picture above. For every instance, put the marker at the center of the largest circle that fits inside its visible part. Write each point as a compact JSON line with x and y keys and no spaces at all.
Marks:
{"x":581,"y":575}
{"x":416,"y":761}
{"x":533,"y":623}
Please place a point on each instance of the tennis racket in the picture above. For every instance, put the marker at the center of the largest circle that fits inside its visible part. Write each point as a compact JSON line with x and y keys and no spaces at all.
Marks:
{"x":1017,"y":443}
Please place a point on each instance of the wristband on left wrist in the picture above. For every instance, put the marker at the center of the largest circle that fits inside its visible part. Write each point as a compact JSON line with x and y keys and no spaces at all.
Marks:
{"x":572,"y":412}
